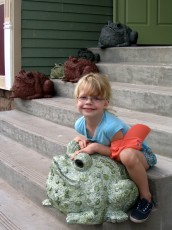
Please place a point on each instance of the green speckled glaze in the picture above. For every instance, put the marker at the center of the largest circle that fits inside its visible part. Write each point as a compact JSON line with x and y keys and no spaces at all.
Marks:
{"x":91,"y":189}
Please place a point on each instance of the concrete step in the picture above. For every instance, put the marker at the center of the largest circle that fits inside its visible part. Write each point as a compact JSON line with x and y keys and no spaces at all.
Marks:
{"x":144,"y":54}
{"x":143,"y":98}
{"x":17,"y":212}
{"x":19,"y":162}
{"x":61,"y":110}
{"x":138,"y":73}
{"x":152,"y":99}
{"x":26,"y":171}
{"x":44,"y":136}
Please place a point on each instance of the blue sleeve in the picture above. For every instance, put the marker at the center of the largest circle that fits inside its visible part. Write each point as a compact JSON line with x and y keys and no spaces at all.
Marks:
{"x":114,"y":128}
{"x":79,"y":125}
{"x":114,"y":124}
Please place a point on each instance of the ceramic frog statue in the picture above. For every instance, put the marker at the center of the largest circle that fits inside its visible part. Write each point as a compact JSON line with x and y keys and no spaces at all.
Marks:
{"x":117,"y":34}
{"x":31,"y":85}
{"x":91,"y":189}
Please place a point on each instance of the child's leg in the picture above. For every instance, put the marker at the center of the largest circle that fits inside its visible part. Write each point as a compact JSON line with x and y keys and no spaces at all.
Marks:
{"x":136,"y":165}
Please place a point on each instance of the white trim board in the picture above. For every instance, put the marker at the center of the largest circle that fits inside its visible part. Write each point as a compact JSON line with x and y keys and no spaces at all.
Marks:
{"x":12,"y":40}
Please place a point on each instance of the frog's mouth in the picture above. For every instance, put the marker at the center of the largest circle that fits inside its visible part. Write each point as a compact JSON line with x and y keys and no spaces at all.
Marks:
{"x":64,"y":177}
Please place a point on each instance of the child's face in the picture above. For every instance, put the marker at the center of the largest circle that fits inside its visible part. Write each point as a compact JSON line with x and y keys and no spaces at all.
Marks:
{"x":91,"y":106}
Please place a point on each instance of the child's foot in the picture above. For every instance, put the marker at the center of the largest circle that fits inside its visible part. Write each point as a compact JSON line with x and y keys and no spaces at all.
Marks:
{"x":141,"y":211}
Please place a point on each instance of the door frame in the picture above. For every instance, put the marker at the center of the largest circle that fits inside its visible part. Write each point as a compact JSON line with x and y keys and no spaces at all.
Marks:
{"x":12,"y":42}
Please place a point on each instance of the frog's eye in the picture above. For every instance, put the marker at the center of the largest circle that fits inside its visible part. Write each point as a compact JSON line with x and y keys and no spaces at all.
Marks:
{"x":82,"y":161}
{"x":79,"y":163}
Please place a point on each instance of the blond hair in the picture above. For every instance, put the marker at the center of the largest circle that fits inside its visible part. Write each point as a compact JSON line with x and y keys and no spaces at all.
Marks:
{"x":94,"y":84}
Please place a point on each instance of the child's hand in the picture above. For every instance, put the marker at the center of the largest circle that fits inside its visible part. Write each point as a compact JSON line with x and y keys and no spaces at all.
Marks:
{"x":89,"y":149}
{"x":82,"y":141}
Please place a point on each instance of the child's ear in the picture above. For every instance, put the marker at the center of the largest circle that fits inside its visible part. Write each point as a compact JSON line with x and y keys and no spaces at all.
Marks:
{"x":106,"y":104}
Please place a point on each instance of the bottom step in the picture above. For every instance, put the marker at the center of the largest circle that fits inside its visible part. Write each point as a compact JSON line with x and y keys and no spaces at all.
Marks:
{"x":19,"y":213}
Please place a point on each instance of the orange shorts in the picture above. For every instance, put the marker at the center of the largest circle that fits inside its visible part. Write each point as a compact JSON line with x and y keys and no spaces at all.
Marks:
{"x":132,"y":139}
{"x":117,"y":146}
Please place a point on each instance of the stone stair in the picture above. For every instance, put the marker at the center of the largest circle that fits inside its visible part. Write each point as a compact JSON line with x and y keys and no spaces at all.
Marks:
{"x":141,"y":79}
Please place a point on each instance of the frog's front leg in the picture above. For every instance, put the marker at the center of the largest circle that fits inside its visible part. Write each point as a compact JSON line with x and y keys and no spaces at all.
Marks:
{"x":116,"y":217}
{"x":87,"y":217}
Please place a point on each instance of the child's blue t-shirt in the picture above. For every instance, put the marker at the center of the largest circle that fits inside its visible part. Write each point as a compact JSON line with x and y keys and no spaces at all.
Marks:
{"x":107,"y":128}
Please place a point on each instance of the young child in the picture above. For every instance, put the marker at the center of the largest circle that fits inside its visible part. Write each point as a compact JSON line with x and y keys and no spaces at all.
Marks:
{"x":99,"y":128}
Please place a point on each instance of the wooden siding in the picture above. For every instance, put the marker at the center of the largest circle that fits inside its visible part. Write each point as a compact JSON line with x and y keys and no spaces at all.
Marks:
{"x":56,"y":29}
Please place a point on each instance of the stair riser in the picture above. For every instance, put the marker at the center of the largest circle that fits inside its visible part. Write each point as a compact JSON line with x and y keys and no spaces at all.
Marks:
{"x":51,"y":113}
{"x":16,"y":179}
{"x":135,"y":54}
{"x":143,"y":101}
{"x":34,"y":141}
{"x":32,"y":190}
{"x":158,"y":76}
{"x":64,"y":89}
{"x":147,"y":102}
{"x":160,"y":142}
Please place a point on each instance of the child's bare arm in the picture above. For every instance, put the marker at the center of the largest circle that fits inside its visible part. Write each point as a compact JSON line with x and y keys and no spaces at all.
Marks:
{"x":119,"y":135}
{"x":92,"y":148}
